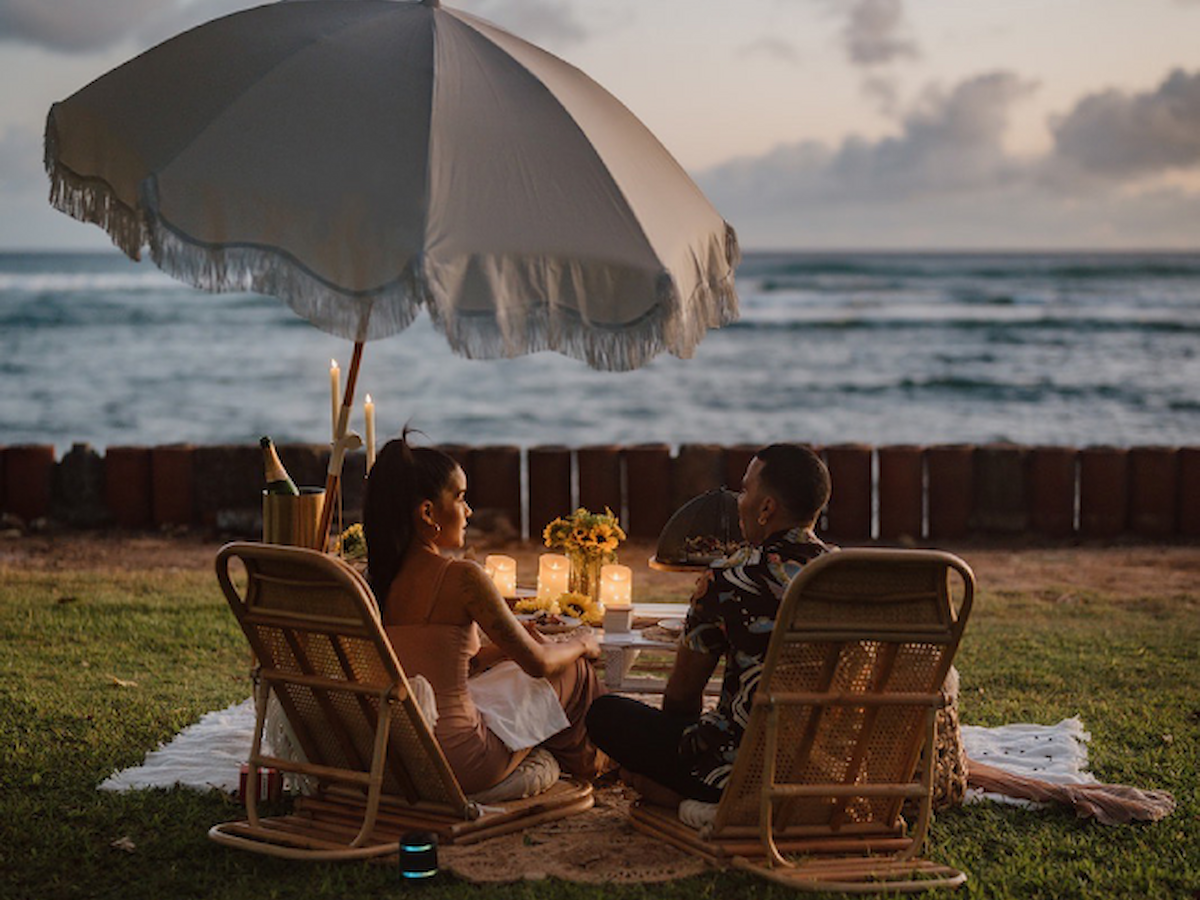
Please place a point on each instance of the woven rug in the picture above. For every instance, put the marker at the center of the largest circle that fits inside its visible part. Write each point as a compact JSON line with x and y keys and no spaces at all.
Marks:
{"x":595,"y":847}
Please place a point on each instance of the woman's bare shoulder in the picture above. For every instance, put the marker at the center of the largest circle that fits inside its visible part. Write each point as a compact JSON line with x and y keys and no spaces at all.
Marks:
{"x":466,"y":569}
{"x":468,"y":577}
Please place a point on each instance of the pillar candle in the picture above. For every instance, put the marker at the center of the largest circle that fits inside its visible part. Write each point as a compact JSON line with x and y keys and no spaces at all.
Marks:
{"x":369,"y":412}
{"x":335,"y":378}
{"x":616,"y":585}
{"x":553,"y":569}
{"x":503,"y":570}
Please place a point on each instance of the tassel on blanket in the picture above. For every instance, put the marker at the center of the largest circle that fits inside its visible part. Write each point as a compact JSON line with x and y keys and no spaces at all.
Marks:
{"x":1110,"y":804}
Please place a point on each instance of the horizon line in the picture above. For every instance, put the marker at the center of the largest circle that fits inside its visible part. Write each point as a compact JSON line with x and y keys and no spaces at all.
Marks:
{"x":761,"y":251}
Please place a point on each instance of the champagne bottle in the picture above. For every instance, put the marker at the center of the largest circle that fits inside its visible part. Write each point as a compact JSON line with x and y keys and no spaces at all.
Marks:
{"x":278,"y":480}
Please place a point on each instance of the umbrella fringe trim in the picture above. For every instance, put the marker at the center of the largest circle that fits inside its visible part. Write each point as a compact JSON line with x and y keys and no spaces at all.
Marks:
{"x":264,"y":270}
{"x":673,"y":326}
{"x":733,"y":250}
{"x":619,"y":349}
{"x":92,"y":200}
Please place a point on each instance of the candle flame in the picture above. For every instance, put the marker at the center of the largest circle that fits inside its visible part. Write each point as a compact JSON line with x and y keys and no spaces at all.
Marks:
{"x":333,"y":364}
{"x":369,"y":398}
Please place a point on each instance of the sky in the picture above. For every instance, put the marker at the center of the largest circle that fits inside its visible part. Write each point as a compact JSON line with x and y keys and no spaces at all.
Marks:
{"x":810,"y":124}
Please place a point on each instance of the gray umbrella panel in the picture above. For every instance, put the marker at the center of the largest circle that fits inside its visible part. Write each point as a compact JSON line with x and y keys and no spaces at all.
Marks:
{"x":364,"y":159}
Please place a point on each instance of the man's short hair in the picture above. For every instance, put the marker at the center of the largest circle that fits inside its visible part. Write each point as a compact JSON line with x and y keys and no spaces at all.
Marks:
{"x":795,"y":475}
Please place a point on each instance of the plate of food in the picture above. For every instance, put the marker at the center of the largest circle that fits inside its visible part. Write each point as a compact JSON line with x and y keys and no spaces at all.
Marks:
{"x":550,"y":623}
{"x":673,"y":625}
{"x":706,"y":549}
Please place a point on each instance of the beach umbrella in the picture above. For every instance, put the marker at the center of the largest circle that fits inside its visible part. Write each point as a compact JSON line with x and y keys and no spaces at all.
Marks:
{"x":364,"y":159}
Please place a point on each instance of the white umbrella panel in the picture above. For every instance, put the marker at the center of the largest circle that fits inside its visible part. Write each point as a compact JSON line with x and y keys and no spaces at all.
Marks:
{"x":362,"y":159}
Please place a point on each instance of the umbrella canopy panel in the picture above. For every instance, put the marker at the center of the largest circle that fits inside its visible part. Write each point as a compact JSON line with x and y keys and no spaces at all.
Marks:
{"x":361,"y":159}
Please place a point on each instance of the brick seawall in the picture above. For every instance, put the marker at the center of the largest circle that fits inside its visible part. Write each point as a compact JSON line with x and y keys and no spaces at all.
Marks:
{"x":893,"y":493}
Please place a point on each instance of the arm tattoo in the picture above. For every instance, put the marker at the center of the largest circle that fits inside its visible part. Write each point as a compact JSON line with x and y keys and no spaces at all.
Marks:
{"x":487,"y":607}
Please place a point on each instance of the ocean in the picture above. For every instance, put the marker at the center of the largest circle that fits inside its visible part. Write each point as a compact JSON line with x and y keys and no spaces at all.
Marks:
{"x":1072,"y":349}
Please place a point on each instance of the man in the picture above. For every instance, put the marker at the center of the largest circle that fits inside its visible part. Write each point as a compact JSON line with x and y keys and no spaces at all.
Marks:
{"x":679,"y":752}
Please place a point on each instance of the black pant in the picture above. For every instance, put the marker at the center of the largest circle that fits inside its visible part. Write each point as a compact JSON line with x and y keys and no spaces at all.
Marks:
{"x":646,"y":740}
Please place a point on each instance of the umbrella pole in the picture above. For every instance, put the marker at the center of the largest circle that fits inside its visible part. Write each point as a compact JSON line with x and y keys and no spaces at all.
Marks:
{"x":336,"y":457}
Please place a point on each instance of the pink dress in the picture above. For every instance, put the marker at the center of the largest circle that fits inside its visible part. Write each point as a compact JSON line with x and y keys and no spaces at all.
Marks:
{"x":442,"y":652}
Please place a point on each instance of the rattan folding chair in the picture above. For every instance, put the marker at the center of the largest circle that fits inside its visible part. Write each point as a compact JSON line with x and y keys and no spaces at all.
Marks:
{"x":846,"y":703}
{"x":314,"y":629}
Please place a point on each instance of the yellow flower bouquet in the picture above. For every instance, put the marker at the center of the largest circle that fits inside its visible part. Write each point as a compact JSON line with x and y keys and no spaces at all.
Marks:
{"x":585,"y":532}
{"x":352,"y":543}
{"x":589,"y":539}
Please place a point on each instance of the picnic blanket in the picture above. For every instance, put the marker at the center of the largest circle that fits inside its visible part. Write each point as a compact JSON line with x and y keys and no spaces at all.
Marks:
{"x":209,"y":753}
{"x":1026,"y":764}
{"x":1033,"y":765}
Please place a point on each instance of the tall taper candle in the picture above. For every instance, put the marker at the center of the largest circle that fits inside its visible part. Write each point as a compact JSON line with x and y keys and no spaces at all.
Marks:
{"x":369,"y":412}
{"x":335,"y":394}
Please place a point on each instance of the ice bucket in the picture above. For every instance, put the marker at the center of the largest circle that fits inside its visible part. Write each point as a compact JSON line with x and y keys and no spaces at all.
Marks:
{"x":288,"y":519}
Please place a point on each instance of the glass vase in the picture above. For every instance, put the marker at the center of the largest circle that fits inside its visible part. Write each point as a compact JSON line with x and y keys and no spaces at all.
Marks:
{"x":585,"y":574}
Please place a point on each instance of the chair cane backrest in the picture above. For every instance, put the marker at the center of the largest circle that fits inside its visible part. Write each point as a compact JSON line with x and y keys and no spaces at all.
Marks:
{"x":314,"y":628}
{"x":852,"y":677}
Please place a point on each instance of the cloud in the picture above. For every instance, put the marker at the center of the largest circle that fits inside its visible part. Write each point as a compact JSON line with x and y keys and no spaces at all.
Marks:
{"x":86,"y":26}
{"x":873,"y":32}
{"x":1115,"y":134}
{"x":89,"y":26}
{"x":72,"y":25}
{"x":874,"y":36}
{"x":948,"y":142}
{"x":554,"y":21}
{"x":883,"y":94}
{"x":945,"y":179}
{"x":172,"y":21}
{"x":771,"y":48}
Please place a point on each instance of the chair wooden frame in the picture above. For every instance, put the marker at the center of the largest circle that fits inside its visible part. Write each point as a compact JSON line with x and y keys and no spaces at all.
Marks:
{"x":842,"y":719}
{"x":314,"y":629}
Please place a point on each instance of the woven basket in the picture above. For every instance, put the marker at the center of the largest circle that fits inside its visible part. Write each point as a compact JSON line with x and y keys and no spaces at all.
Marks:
{"x":950,"y":764}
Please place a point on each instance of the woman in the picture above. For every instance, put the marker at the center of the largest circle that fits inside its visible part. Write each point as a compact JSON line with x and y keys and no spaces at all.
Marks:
{"x":414,"y":509}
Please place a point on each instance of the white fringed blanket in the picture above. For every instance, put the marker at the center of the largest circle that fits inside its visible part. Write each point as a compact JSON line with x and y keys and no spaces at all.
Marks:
{"x":209,"y":754}
{"x":1054,"y":753}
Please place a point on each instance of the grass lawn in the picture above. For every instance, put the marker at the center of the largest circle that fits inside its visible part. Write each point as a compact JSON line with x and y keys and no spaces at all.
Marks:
{"x":98,"y":667}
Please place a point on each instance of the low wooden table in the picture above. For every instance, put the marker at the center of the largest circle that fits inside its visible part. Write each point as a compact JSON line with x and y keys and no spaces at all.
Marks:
{"x":622,"y":649}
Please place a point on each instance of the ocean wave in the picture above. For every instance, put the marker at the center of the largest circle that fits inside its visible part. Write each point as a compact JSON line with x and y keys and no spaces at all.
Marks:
{"x":1132,"y":270}
{"x":96,"y":310}
{"x":782,"y":272}
{"x":1031,"y":392}
{"x":89,"y":282}
{"x":995,"y":317}
{"x":976,"y":297}
{"x":820,"y":284}
{"x":886,"y":348}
